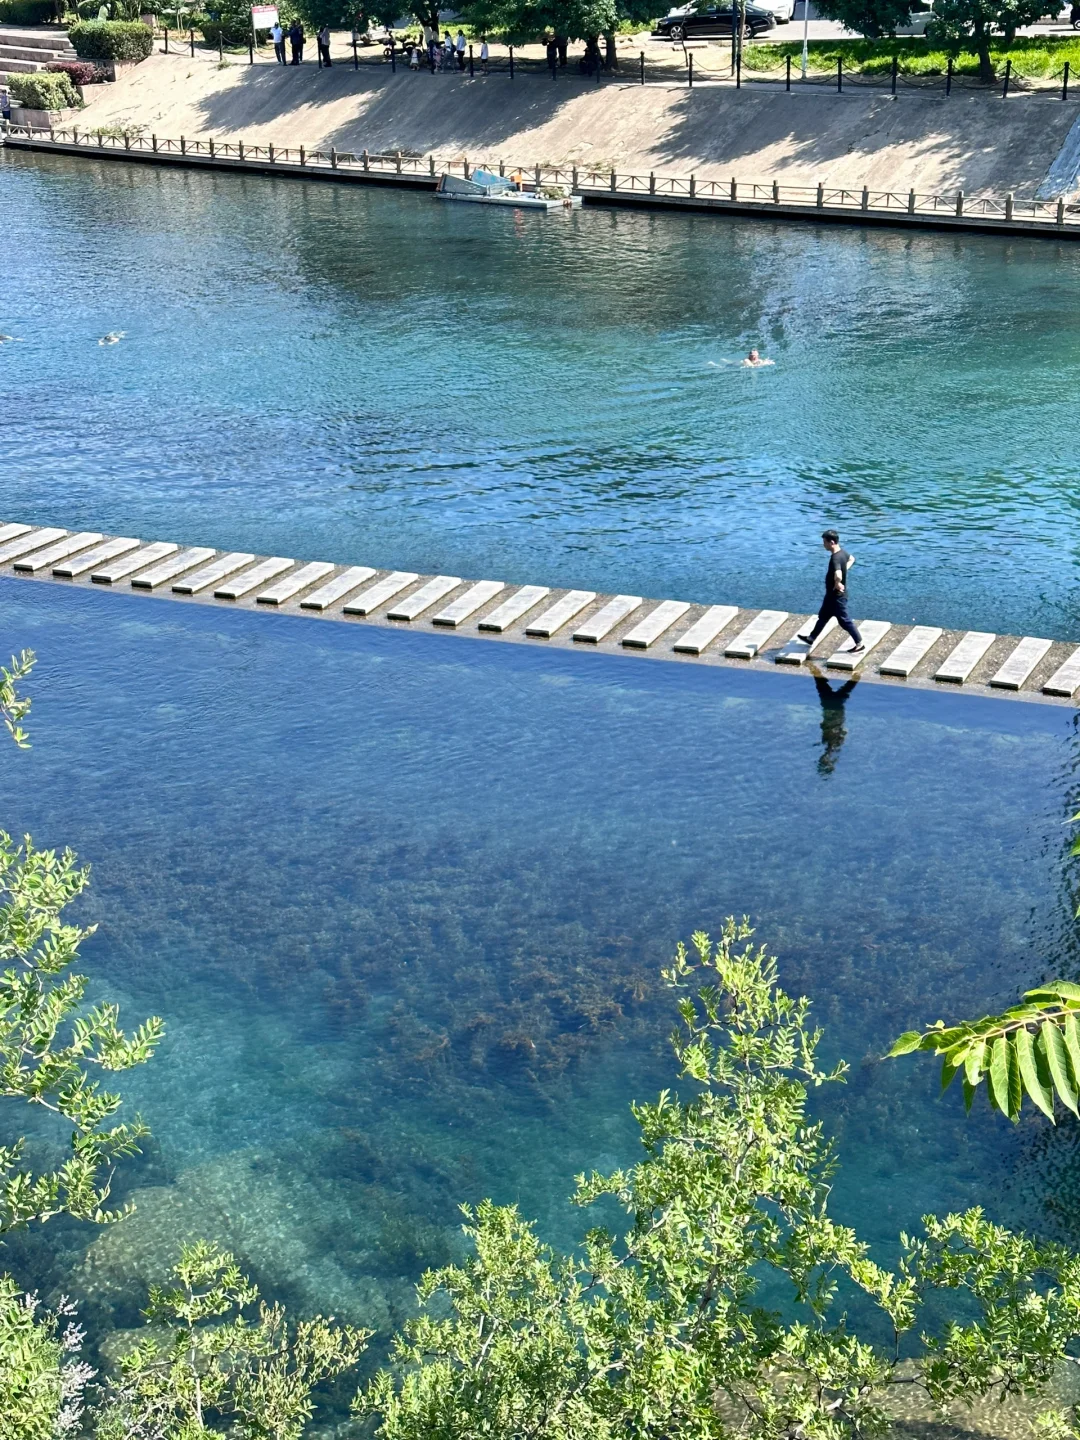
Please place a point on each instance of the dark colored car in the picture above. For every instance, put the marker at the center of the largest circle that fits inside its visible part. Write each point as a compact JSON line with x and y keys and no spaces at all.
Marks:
{"x":711,"y":20}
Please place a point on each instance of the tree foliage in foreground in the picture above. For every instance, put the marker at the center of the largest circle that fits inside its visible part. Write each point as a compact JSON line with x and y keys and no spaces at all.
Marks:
{"x":1031,"y":1049}
{"x":957,"y":24}
{"x":217,"y":1360}
{"x":659,"y":1331}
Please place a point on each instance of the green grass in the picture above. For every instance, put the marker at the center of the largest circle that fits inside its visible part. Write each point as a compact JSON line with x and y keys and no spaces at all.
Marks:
{"x":1034,"y":57}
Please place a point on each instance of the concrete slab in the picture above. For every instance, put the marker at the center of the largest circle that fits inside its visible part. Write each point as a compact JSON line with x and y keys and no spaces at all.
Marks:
{"x":705,"y":629}
{"x":210,"y":574}
{"x":655,"y":623}
{"x":342,"y":585}
{"x":468,"y":604}
{"x":420,"y":600}
{"x":12,"y":532}
{"x":519,"y":604}
{"x":1020,"y":663}
{"x":796,"y":651}
{"x":965,"y":657}
{"x":915,"y":644}
{"x":561,"y":613}
{"x":1066,"y":678}
{"x":249,"y":580}
{"x":294,"y":583}
{"x":109,"y":574}
{"x":872,"y":632}
{"x":32,"y":540}
{"x":747,"y":644}
{"x":379,"y":593}
{"x":45,"y":559}
{"x":606,"y":618}
{"x":171,"y":568}
{"x":68,"y":569}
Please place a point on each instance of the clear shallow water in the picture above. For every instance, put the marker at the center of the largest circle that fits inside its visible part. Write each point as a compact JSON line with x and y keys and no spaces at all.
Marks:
{"x":372,"y":377}
{"x":403,"y":901}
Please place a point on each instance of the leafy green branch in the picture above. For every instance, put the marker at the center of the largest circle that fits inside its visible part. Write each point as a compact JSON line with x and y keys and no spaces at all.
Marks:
{"x":13,"y":706}
{"x":1031,"y":1049}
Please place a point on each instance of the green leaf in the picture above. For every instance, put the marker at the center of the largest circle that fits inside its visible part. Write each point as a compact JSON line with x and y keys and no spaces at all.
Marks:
{"x":948,"y":1074}
{"x":1016,"y":1082}
{"x":1072,"y":1045}
{"x":907,"y":1042}
{"x":1063,"y":988}
{"x":975,"y":1063}
{"x":1057,"y":1060}
{"x":969,"y":1095}
{"x":999,"y":1075}
{"x":1033,"y":1083}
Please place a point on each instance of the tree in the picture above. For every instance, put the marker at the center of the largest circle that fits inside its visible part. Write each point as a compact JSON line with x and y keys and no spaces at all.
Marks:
{"x":13,"y":706}
{"x":657,"y":1332}
{"x":42,"y":1380}
{"x":957,"y":24}
{"x":206,"y":1368}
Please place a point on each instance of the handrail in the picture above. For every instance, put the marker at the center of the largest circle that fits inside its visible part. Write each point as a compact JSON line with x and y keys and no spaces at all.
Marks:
{"x":1051,"y":214}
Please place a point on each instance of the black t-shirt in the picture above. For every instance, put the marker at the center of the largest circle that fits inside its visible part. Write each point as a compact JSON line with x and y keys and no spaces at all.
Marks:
{"x":838,"y":563}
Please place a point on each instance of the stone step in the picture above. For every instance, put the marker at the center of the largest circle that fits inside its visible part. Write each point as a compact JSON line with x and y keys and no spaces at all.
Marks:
{"x":26,"y":52}
{"x":37,"y":39}
{"x":18,"y":67}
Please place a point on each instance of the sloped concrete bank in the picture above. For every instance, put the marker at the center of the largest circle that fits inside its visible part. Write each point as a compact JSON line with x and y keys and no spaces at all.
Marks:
{"x":971,"y":142}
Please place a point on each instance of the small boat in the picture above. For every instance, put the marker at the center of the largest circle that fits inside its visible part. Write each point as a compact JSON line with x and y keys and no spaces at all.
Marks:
{"x":483,"y":188}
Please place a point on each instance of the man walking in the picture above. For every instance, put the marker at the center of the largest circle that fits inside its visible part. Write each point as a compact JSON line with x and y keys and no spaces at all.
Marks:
{"x":834,"y":606}
{"x":278,"y":37}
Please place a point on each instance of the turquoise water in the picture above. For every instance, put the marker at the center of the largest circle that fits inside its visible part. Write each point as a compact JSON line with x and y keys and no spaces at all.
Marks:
{"x":320,"y":372}
{"x":403,"y":903}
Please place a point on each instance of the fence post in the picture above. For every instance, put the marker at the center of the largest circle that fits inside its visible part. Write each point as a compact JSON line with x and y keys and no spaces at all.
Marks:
{"x":240,"y":147}
{"x":911,"y":202}
{"x":355,"y":56}
{"x":393,"y":57}
{"x":690,"y":69}
{"x":127,"y":140}
{"x":153,"y":143}
{"x":839,"y":74}
{"x":472,"y":67}
{"x":303,"y":157}
{"x":734,"y":192}
{"x":787,"y":81}
{"x":693,"y":186}
{"x":895,"y":67}
{"x":1060,"y":213}
{"x":465,"y":166}
{"x":333,"y":158}
{"x":397,"y":162}
{"x":537,"y":177}
{"x":652,"y":182}
{"x":573,"y":181}
{"x":738,"y":65}
{"x":166,"y":39}
{"x":431,"y":166}
{"x":183,"y":147}
{"x":820,"y":195}
{"x":191,"y":39}
{"x":211,"y":147}
{"x":959,"y":204}
{"x":1065,"y":82}
{"x":865,"y":204}
{"x":775,"y":193}
{"x":613,"y":182}
{"x":220,"y":51}
{"x":642,"y":63}
{"x":948,"y":78}
{"x":271,"y":154}
{"x":1008,"y":203}
{"x":251,"y":51}
{"x":1008,"y":77}
{"x":511,"y":62}
{"x":502,"y":167}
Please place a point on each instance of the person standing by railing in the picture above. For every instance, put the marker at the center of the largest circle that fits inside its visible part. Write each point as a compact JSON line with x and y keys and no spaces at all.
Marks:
{"x":322,"y":39}
{"x":460,"y":47}
{"x":296,"y":41}
{"x":278,"y":37}
{"x":485,"y":55}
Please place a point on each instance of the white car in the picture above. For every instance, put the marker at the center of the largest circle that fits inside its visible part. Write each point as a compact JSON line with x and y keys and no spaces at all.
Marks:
{"x":918,"y":20}
{"x":782,"y":10}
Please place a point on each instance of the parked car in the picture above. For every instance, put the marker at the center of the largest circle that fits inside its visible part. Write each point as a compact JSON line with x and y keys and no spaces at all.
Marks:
{"x":918,"y":20}
{"x":711,"y":19}
{"x":782,"y":10}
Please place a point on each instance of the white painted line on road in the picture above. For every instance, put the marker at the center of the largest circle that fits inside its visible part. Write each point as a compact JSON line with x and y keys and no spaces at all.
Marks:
{"x":468,"y":604}
{"x":705,"y":629}
{"x":655,"y":623}
{"x":519,"y":604}
{"x":1020,"y":663}
{"x":914,"y":646}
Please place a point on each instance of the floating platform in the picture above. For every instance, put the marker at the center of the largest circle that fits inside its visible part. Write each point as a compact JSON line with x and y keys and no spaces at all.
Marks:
{"x":1019,"y":666}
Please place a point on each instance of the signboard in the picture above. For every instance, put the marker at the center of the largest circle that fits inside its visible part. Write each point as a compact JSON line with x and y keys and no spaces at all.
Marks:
{"x":263,"y":17}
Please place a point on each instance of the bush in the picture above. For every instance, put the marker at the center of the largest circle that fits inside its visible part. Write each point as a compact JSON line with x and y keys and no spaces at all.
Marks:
{"x":27,"y":12}
{"x":111,"y":40}
{"x":79,"y":72}
{"x":44,"y":91}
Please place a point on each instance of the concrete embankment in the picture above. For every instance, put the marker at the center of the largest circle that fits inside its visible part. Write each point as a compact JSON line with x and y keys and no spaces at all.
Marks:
{"x":975,"y":143}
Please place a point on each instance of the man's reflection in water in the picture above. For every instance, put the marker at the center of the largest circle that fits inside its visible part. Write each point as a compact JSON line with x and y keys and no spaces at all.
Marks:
{"x":833,"y":731}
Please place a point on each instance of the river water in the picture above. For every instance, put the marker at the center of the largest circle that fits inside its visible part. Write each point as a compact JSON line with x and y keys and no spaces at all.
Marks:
{"x":403,"y":902}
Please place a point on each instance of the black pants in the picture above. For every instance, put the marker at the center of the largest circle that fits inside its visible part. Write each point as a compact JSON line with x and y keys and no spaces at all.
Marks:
{"x":279,"y":51}
{"x":297,"y":53}
{"x":835,"y":607}
{"x":324,"y":57}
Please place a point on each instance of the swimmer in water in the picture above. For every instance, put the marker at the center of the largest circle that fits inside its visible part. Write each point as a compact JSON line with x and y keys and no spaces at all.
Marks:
{"x":8,"y":339}
{"x":754,"y":359}
{"x":112,"y":338}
